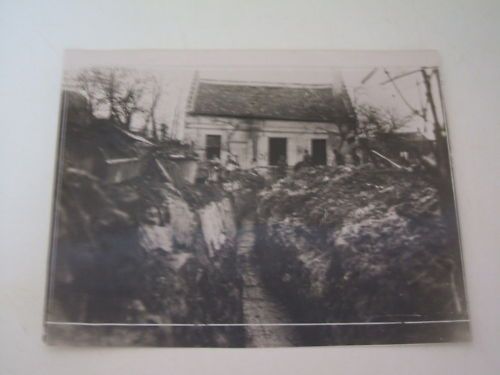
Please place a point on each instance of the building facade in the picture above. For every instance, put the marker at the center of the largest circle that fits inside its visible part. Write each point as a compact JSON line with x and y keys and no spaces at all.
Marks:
{"x":262,"y":124}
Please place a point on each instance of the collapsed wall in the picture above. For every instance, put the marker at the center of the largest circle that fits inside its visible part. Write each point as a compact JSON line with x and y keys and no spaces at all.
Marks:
{"x":143,"y":251}
{"x":359,"y":245}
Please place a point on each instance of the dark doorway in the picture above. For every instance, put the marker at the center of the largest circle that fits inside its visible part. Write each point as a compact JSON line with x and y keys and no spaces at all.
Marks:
{"x":277,"y":151}
{"x":212,"y":148}
{"x":318,"y":156}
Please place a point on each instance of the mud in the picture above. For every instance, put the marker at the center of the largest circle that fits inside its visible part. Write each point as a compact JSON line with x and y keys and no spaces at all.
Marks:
{"x":260,"y":309}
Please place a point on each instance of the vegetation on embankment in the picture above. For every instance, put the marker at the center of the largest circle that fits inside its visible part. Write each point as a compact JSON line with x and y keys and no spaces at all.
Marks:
{"x":360,"y":244}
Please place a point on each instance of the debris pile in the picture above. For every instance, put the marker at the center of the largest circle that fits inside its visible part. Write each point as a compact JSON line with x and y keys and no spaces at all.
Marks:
{"x":244,"y":185}
{"x":359,"y":244}
{"x":138,"y":252}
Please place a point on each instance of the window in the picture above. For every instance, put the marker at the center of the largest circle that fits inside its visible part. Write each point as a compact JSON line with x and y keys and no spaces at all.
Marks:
{"x":277,"y":151}
{"x":212,"y":146}
{"x":318,"y":156}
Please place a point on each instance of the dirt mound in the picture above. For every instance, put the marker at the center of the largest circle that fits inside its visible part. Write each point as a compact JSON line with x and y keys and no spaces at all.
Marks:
{"x":104,"y":273}
{"x":359,"y":244}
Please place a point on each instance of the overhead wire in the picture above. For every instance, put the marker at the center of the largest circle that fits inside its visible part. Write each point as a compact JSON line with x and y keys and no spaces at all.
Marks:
{"x":412,"y":109}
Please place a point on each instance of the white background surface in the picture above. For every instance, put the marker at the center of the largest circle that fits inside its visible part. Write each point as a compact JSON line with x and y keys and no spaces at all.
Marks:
{"x":32,"y":37}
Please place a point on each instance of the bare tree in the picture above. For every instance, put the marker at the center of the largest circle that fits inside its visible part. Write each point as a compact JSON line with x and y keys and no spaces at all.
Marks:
{"x":163,"y":132}
{"x":372,"y":120}
{"x":151,"y":115}
{"x":115,"y":92}
{"x":86,"y":82}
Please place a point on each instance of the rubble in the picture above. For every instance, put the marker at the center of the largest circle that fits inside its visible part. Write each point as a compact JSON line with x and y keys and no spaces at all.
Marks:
{"x":217,"y":224}
{"x":359,"y":244}
{"x":139,"y":252}
{"x":243,"y":186}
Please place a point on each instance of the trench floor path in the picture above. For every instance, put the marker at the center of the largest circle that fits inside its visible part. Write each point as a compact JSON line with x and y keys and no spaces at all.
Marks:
{"x":258,"y":305}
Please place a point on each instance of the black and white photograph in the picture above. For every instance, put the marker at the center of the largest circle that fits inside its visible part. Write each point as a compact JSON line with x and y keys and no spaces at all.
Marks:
{"x":219,"y":203}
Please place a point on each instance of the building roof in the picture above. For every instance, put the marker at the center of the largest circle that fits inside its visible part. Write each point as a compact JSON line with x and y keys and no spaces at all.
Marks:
{"x":108,"y":138}
{"x":295,"y":102}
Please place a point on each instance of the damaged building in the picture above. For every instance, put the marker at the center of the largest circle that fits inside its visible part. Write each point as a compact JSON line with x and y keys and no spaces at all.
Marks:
{"x":265,"y":124}
{"x":406,"y":145}
{"x":100,"y":146}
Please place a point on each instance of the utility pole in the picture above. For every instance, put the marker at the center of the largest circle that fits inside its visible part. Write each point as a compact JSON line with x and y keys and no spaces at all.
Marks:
{"x":443,"y":180}
{"x":445,"y":187}
{"x":441,"y":147}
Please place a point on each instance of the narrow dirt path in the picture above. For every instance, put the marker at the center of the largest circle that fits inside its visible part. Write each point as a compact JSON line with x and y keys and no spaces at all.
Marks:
{"x":258,"y":305}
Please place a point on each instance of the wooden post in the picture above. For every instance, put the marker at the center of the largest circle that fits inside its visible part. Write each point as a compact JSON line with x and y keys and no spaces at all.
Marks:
{"x":441,"y":147}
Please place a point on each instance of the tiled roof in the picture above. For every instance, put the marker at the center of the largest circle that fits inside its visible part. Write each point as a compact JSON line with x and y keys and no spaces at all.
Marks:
{"x":297,"y":102}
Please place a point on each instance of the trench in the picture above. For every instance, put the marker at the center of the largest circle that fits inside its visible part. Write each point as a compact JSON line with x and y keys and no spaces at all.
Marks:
{"x":260,"y":309}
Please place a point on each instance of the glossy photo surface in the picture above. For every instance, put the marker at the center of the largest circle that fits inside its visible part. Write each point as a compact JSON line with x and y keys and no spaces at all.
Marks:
{"x":253,"y":199}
